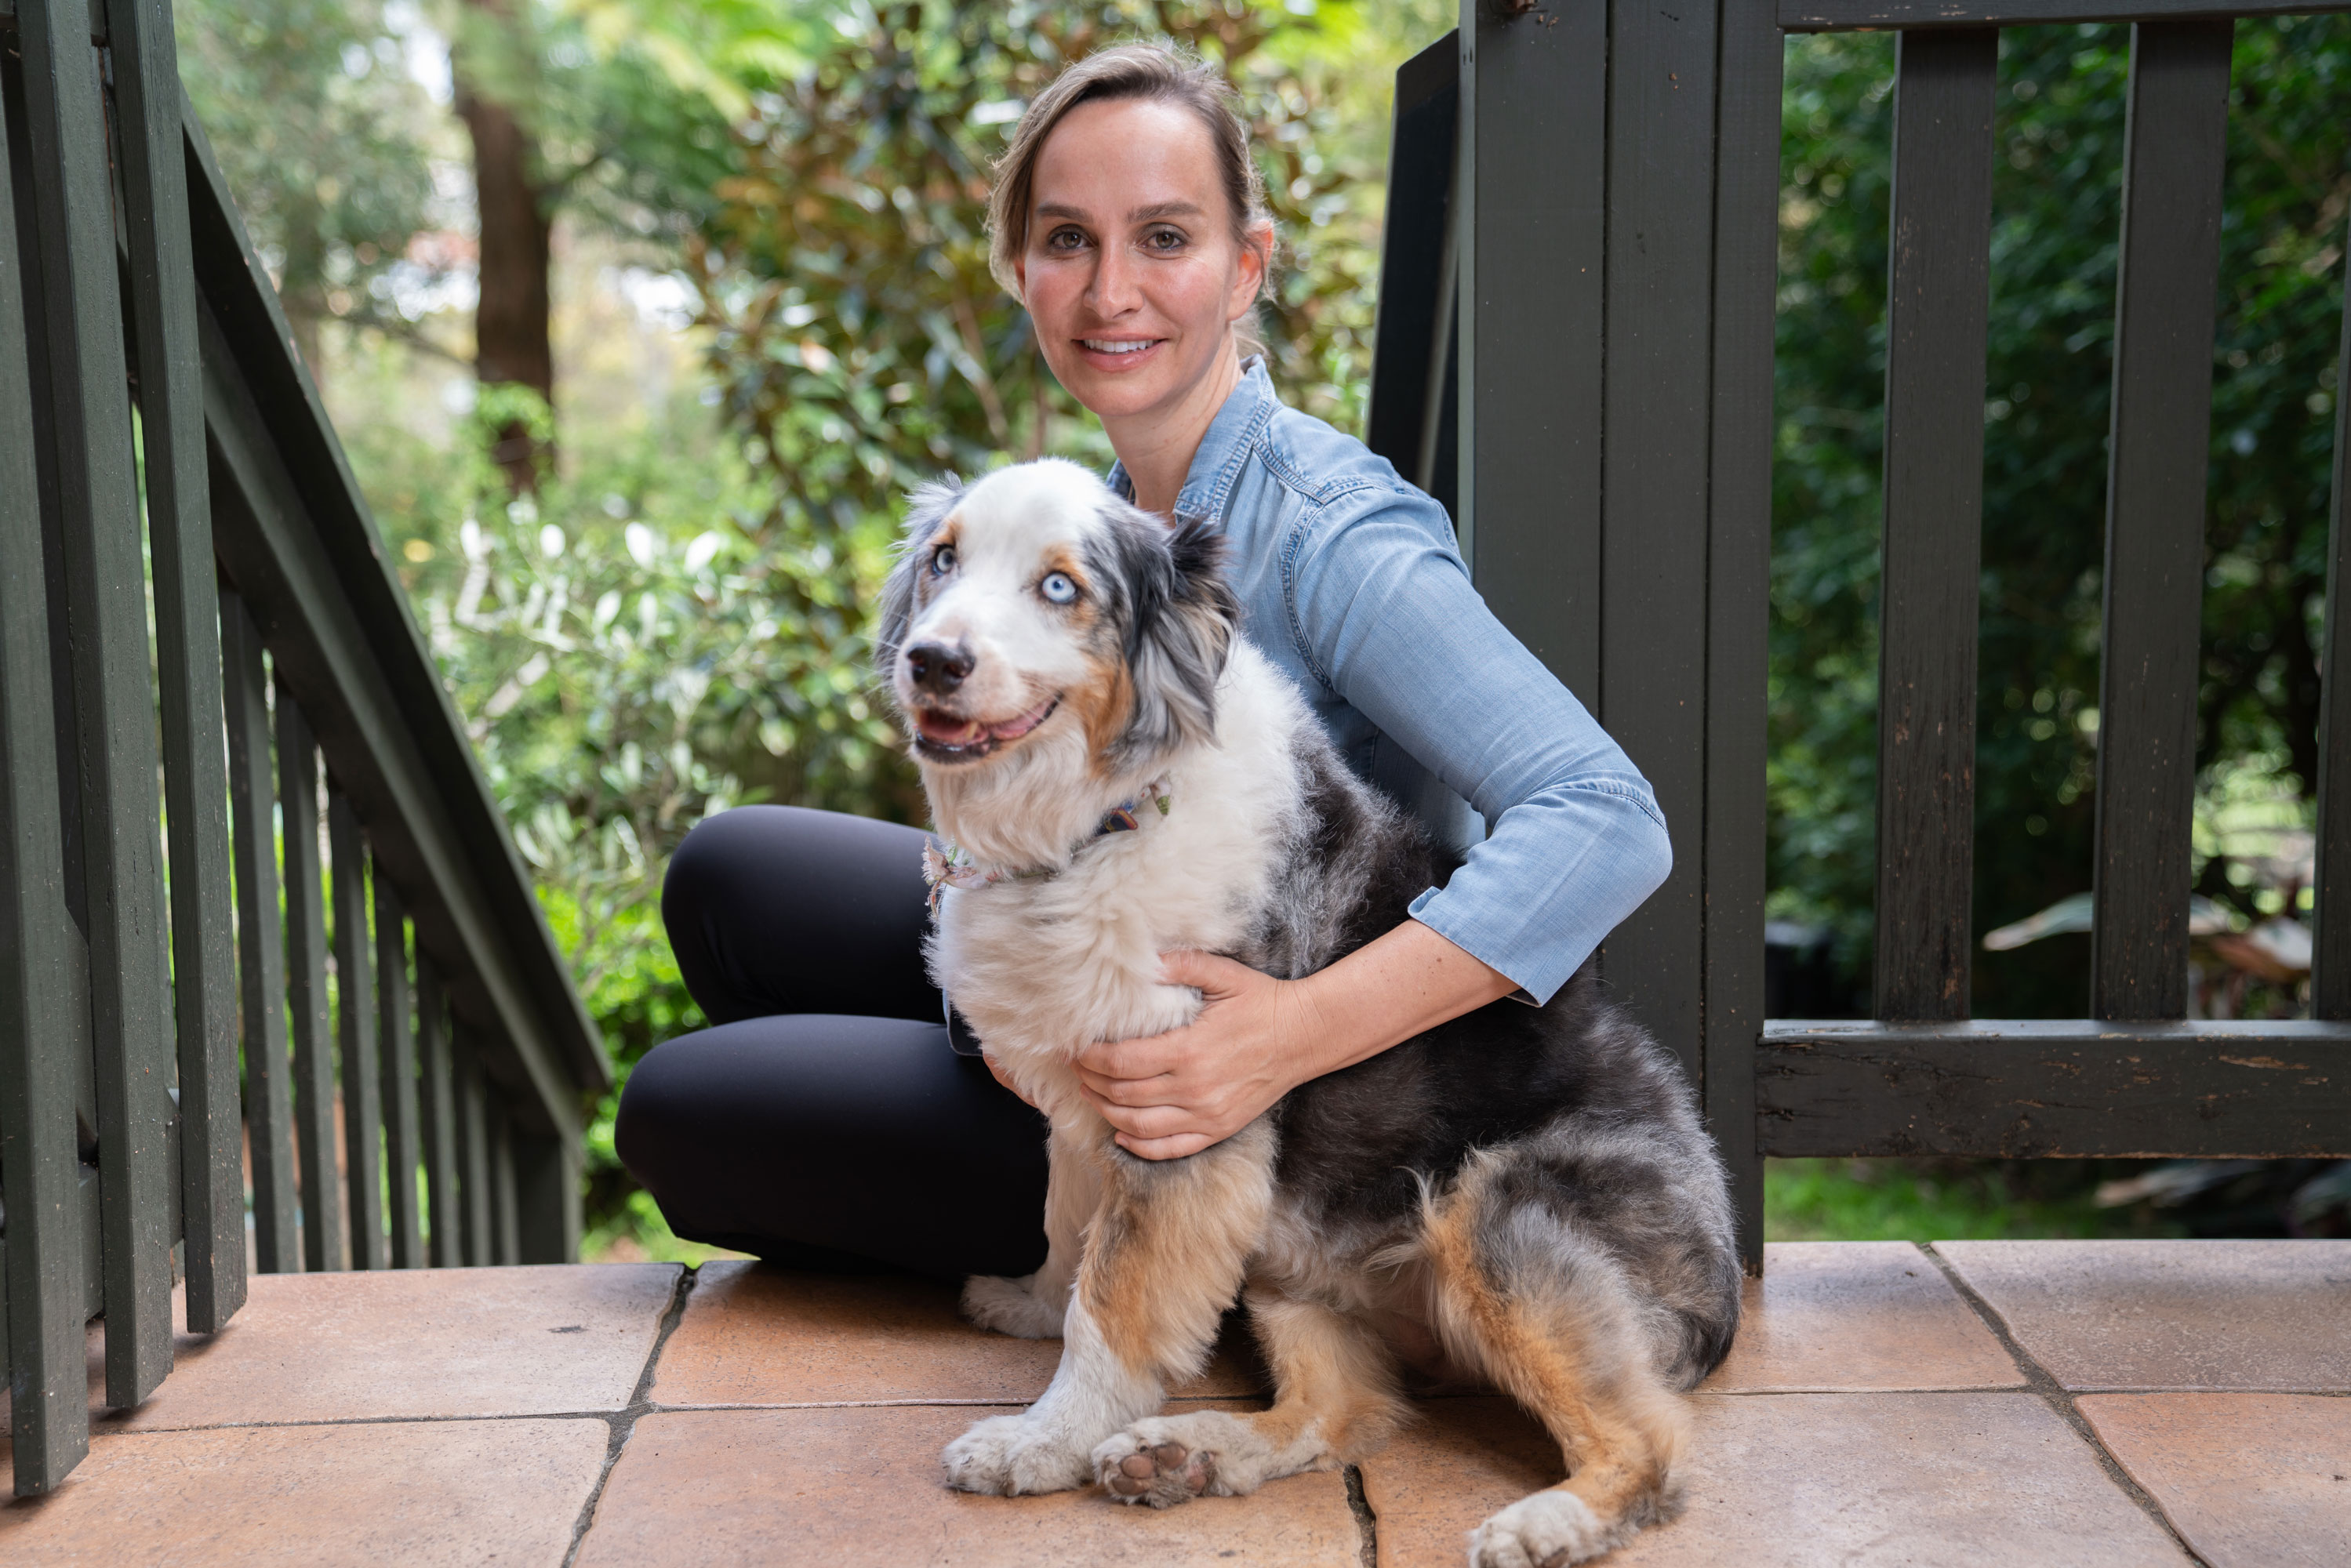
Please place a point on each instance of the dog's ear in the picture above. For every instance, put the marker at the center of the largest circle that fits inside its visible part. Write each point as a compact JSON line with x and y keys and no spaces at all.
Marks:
{"x":926,"y":508}
{"x":1179,"y":636}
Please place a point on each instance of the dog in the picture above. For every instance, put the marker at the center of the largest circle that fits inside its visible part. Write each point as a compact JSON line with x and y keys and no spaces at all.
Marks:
{"x":1523,"y":1197}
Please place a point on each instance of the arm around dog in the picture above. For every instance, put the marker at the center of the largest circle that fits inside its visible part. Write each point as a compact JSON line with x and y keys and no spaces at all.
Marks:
{"x":1383,"y":613}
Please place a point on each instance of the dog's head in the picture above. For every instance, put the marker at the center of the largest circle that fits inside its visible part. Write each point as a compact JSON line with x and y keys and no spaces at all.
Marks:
{"x":1035,"y":606}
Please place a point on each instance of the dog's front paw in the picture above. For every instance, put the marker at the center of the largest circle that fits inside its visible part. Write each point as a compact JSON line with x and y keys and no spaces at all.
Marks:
{"x":1167,"y":1459}
{"x":1011,"y":1307}
{"x":1010,"y":1456}
{"x":1548,"y":1529}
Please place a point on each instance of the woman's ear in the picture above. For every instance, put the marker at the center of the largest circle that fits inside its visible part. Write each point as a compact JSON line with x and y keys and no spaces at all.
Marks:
{"x":1255,"y":265}
{"x":926,"y":508}
{"x":1182,"y":633}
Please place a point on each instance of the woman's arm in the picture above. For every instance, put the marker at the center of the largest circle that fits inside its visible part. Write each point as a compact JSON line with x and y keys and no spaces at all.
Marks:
{"x":1382,"y":612}
{"x":1258,"y":1038}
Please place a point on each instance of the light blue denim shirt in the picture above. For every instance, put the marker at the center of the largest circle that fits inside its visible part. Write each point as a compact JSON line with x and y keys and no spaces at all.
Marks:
{"x":1349,"y":581}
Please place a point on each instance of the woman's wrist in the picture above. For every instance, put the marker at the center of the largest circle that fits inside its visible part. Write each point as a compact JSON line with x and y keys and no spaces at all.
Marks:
{"x":1382,"y":994}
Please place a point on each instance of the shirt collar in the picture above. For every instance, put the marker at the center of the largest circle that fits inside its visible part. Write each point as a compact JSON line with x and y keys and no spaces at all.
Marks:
{"x":1231,"y":436}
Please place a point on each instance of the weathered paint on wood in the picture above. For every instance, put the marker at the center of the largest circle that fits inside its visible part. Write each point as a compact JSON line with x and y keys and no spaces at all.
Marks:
{"x":1657,"y":420}
{"x":474,"y":1112}
{"x":188,"y":656}
{"x":506,"y":1210}
{"x":1883,"y":16}
{"x":97,"y":498}
{"x":2039,"y":1089}
{"x":361,"y":1078}
{"x":261,"y":952}
{"x":1412,"y":346}
{"x":436,"y":1070}
{"x":2330,"y":980}
{"x":1533,"y":212}
{"x":40,"y":1000}
{"x":404,"y":1150}
{"x":1937,"y":301}
{"x":1739,"y":568}
{"x":305,"y":975}
{"x":2165,"y":293}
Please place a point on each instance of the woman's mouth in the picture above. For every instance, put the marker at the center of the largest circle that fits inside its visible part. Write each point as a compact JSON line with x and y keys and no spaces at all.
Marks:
{"x":946,"y":738}
{"x":1119,"y":353}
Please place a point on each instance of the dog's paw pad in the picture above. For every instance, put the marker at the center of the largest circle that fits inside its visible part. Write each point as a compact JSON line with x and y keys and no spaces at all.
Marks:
{"x":1548,"y":1529}
{"x":1160,"y":1474}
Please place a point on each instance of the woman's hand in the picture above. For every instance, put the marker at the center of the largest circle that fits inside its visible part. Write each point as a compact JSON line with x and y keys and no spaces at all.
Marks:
{"x":1167,"y":1095}
{"x":1257,"y":1037}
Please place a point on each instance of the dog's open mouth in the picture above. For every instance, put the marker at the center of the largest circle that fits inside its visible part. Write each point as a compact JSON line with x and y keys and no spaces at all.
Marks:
{"x":943,"y":738}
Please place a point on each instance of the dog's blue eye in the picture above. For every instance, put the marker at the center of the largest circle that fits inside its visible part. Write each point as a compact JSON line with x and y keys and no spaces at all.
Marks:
{"x":1058,"y":587}
{"x":942,"y":561}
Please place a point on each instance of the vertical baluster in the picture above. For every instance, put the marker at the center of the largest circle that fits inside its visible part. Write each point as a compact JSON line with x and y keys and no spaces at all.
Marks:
{"x":179,"y":522}
{"x":1739,"y":580}
{"x":2330,"y":979}
{"x":355,"y":1029}
{"x":306,"y":952}
{"x":506,"y":1214}
{"x":474,"y":1157}
{"x":399,"y":1044}
{"x":2174,"y":147}
{"x":261,"y":951}
{"x":41,"y":1030}
{"x":1938,"y":299}
{"x":97,"y":500}
{"x":440,"y":1096}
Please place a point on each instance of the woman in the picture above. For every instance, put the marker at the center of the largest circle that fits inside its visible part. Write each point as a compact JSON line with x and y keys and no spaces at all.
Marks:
{"x":829,"y":1113}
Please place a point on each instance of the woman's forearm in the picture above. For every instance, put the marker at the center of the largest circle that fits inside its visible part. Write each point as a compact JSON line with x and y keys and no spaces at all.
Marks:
{"x":1382,"y":994}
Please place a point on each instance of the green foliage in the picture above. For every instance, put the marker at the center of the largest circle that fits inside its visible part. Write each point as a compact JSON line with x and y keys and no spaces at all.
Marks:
{"x":2056,"y":206}
{"x":1944,"y":1201}
{"x":323,"y":135}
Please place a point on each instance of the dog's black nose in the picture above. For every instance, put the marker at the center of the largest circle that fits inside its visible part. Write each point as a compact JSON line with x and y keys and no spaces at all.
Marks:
{"x":937,"y":667}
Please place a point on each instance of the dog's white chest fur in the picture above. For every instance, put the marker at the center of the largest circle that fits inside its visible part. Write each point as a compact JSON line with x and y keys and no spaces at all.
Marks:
{"x":1044,"y":967}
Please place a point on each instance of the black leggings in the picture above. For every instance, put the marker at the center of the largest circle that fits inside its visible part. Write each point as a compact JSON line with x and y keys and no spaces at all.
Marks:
{"x":824,"y":1121}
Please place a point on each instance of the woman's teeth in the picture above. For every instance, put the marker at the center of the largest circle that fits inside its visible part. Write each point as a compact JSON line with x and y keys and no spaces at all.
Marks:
{"x":1106,"y":346}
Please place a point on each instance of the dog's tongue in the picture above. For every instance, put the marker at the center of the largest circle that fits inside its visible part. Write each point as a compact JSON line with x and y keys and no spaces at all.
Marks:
{"x":949,"y":731}
{"x":1021,"y":726}
{"x":945,"y":731}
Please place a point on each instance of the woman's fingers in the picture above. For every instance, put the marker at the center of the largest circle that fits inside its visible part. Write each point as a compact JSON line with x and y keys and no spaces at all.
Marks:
{"x":1174,"y":1148}
{"x":1160,"y":1089}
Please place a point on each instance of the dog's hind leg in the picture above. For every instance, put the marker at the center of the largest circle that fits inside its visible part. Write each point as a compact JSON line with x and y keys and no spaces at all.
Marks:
{"x":1162,"y":1259}
{"x":1335,"y":1400}
{"x":1553,"y":1319}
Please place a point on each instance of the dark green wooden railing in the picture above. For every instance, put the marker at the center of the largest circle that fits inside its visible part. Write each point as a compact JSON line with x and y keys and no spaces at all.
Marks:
{"x":323,"y":842}
{"x":1574,"y":350}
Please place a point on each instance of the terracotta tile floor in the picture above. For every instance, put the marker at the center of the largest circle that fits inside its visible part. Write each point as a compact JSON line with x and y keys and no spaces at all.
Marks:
{"x":2058,"y":1403}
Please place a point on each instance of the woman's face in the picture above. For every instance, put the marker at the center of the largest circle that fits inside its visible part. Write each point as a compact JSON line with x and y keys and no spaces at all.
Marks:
{"x":1131,"y":272}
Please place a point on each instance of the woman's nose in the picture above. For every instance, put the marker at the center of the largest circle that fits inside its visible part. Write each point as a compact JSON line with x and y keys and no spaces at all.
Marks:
{"x":1114,"y":290}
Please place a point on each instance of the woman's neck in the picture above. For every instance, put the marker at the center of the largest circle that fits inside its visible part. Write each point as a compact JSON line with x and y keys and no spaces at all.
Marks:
{"x":1157,"y":448}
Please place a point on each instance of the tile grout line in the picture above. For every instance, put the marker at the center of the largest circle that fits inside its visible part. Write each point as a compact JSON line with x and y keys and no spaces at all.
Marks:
{"x":1367,"y":1526}
{"x":2060,"y":1400}
{"x":622,"y":1424}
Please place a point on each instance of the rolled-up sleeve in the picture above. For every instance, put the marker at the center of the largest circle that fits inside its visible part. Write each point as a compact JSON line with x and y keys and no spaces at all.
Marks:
{"x":1384,"y":614}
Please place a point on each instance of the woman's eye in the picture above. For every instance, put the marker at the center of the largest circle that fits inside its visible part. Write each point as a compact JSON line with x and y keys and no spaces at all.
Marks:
{"x":1164,"y":239}
{"x":1058,"y":587}
{"x":1065,"y":239}
{"x":942,"y":561}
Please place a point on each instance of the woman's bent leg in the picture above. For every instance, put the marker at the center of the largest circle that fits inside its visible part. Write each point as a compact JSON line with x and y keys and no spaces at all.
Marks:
{"x":780,"y":909}
{"x":802,"y":1135}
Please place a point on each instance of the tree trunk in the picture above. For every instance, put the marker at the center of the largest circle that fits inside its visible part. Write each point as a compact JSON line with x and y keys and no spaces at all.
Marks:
{"x":510,"y":323}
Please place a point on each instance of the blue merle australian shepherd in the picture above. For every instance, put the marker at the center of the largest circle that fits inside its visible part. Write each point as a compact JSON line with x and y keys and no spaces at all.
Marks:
{"x":1522,"y":1197}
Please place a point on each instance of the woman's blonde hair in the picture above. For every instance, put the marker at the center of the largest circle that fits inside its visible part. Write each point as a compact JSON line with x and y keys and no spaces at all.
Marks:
{"x":1153,"y":72}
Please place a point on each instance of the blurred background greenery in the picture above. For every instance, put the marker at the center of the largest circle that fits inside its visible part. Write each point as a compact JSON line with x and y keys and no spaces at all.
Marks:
{"x":635,"y":316}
